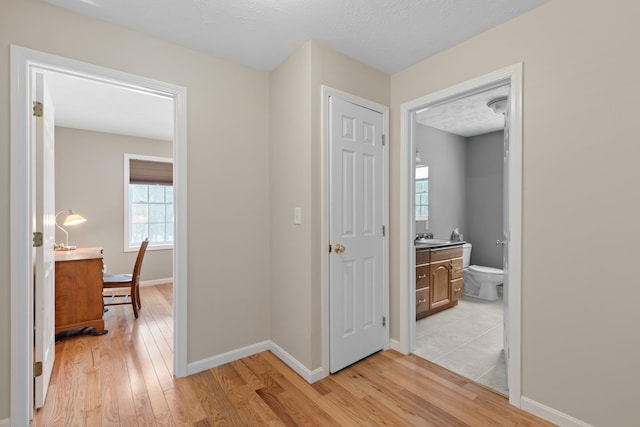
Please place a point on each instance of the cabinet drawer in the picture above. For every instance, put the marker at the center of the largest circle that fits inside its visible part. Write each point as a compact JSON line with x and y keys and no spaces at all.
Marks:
{"x":422,"y":256}
{"x":456,"y":268}
{"x":422,"y":277}
{"x":446,"y":253}
{"x":456,"y":288}
{"x":422,"y":300}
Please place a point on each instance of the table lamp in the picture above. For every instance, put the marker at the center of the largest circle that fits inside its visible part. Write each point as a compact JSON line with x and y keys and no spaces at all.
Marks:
{"x":72,"y":219}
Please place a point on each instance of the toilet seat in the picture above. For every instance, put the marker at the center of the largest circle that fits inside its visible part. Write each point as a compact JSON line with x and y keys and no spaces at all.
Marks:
{"x":485,"y":270}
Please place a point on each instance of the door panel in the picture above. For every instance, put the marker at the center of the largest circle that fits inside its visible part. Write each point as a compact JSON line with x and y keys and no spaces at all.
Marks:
{"x":44,"y":281}
{"x":440,"y":283}
{"x":355,"y":222}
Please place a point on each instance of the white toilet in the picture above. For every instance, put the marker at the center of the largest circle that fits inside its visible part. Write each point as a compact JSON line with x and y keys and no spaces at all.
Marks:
{"x":479,"y":282}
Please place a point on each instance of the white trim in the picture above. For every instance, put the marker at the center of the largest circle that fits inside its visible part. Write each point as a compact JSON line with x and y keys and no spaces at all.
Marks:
{"x":229,"y":356}
{"x":125,"y":193}
{"x":551,"y":415}
{"x":155,"y":282}
{"x":23,"y":61}
{"x":5,"y":423}
{"x":21,"y":388}
{"x":394,"y":345}
{"x":327,"y":92}
{"x":306,"y":374}
{"x":512,"y":75}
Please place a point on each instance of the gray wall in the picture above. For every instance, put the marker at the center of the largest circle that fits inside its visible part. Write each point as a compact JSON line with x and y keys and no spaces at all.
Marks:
{"x":444,"y":153}
{"x":484,"y":213}
{"x":90,"y":180}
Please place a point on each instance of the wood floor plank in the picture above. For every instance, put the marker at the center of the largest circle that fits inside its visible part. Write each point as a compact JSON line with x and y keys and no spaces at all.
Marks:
{"x":124,"y":378}
{"x":126,"y":405}
{"x":77,"y":355}
{"x":178,"y":410}
{"x":219,"y":409}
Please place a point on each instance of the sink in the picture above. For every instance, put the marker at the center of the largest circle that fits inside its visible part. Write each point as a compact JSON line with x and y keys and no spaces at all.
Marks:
{"x":431,"y":241}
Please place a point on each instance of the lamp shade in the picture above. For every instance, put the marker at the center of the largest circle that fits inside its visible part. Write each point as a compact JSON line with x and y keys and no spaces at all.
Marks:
{"x":74,"y":219}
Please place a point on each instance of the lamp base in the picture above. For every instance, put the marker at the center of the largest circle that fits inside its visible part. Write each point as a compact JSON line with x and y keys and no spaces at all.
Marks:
{"x":61,"y":247}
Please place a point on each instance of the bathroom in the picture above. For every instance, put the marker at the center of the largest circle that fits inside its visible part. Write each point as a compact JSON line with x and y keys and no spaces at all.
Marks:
{"x":460,"y":149}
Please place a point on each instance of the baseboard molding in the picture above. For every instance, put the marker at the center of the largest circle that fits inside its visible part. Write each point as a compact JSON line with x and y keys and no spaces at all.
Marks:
{"x":394,"y":345}
{"x":550,"y":414}
{"x":230,"y":356}
{"x":306,"y":374}
{"x":156,"y":282}
{"x":5,"y":423}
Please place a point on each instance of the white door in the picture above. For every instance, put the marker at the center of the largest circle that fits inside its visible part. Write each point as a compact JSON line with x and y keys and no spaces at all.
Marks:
{"x":44,"y":221}
{"x":505,"y":241}
{"x":356,"y":198}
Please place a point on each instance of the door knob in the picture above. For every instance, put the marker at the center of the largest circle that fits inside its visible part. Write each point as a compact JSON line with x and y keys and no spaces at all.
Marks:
{"x":339,"y":248}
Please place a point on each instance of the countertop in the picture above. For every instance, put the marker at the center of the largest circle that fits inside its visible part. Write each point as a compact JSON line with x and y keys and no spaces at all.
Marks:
{"x":426,"y":245}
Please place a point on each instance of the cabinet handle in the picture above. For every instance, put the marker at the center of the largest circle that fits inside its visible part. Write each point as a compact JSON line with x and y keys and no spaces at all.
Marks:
{"x":420,"y":301}
{"x":422,"y":276}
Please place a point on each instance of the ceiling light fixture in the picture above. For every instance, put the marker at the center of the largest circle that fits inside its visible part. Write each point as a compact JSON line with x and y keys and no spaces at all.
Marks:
{"x":498,"y":105}
{"x":418,"y":157}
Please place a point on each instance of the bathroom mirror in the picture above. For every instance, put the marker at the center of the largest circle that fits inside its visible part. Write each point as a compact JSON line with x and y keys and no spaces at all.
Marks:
{"x":422,"y":194}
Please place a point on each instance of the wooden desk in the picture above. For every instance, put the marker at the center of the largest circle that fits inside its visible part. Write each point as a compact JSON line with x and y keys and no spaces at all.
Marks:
{"x":79,"y":290}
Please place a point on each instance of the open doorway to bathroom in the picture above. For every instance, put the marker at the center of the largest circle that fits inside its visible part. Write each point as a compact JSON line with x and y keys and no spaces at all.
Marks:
{"x":509,"y":239}
{"x":461,"y":143}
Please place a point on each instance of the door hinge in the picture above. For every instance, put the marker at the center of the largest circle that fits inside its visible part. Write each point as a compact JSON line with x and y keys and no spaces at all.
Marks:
{"x":37,"y":369}
{"x":384,"y":321}
{"x":37,"y":239}
{"x":37,"y":109}
{"x":383,"y":139}
{"x":384,"y":231}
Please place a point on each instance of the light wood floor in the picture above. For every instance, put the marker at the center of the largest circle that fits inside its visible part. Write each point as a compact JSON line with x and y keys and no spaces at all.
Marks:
{"x":124,"y":379}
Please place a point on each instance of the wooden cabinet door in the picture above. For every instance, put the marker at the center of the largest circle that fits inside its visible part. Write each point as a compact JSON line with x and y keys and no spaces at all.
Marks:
{"x":440,"y":284}
{"x":422,"y":303}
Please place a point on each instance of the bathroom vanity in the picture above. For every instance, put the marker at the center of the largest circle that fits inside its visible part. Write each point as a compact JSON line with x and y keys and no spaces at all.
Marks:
{"x":439,"y":279}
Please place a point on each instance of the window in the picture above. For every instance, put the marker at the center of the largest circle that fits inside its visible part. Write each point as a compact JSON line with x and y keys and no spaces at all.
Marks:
{"x":422,"y":193}
{"x":148,"y":202}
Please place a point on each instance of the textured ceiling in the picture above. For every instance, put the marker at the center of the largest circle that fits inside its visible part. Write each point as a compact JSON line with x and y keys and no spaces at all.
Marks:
{"x":389,"y":35}
{"x":468,"y":116}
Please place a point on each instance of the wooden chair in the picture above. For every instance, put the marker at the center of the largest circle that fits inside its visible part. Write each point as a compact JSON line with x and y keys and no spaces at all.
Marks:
{"x":131,"y":281}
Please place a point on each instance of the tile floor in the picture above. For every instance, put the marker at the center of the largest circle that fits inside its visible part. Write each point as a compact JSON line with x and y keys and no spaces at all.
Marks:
{"x":466,"y":339}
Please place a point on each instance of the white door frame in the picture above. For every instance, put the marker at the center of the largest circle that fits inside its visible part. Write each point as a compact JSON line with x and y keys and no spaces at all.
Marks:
{"x":23,"y":61}
{"x":328,"y":92}
{"x":513,"y":76}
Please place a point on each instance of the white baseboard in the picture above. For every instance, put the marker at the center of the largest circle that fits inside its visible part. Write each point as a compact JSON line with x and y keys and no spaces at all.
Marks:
{"x":306,"y":374}
{"x":156,"y":282}
{"x":550,"y":414}
{"x":230,"y":356}
{"x":5,"y":423}
{"x":394,"y":345}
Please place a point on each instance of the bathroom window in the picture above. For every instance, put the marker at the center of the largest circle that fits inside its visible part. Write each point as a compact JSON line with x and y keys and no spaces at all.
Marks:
{"x":422,"y":193}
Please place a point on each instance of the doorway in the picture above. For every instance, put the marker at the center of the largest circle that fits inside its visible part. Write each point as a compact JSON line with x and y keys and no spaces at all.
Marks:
{"x":23,"y":63}
{"x":461,"y":143}
{"x":511,"y":76}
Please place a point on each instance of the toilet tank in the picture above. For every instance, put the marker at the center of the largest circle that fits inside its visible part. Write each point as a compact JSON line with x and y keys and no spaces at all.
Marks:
{"x":466,"y":255}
